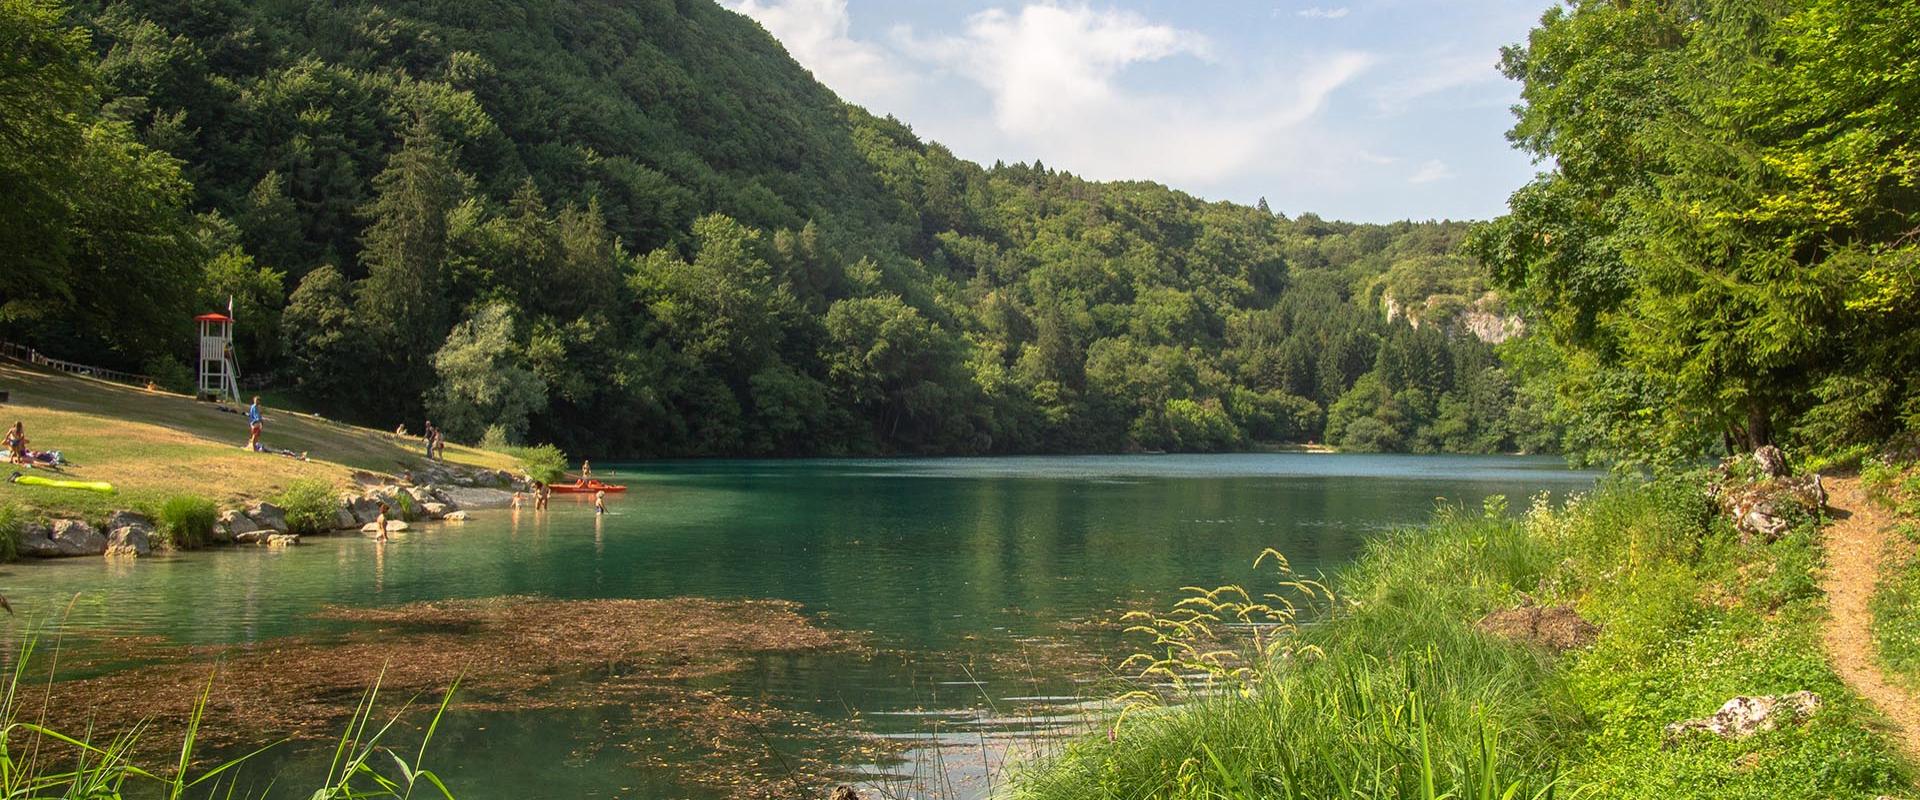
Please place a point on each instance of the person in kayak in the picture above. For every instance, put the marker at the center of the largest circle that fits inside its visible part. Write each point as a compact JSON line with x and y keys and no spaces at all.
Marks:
{"x":253,"y":424}
{"x":586,"y":471}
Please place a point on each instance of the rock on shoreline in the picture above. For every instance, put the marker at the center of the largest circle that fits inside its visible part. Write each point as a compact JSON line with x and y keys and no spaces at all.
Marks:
{"x":444,"y":493}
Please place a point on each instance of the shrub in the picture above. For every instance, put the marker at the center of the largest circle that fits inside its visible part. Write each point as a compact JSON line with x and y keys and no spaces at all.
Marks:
{"x":186,"y":521}
{"x":310,"y":505}
{"x":542,"y":463}
{"x":13,"y":522}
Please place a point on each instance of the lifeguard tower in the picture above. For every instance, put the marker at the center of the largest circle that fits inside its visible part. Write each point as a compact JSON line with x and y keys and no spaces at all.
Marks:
{"x":219,"y":378}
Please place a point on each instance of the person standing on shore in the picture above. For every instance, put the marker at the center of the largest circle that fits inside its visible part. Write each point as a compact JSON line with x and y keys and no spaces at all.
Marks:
{"x":428,"y":436}
{"x":253,"y":424}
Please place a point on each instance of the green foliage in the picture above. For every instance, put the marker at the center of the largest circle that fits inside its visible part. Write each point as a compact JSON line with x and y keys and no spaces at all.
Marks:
{"x":309,"y":505}
{"x":85,"y":200}
{"x":13,"y":522}
{"x":485,"y":382}
{"x":1723,"y":249}
{"x":542,"y":463}
{"x":186,"y":521}
{"x":168,"y":373}
{"x":704,"y":251}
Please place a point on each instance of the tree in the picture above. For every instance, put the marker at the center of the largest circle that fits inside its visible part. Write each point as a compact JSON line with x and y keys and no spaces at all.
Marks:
{"x":1734,"y":191}
{"x":328,"y":352}
{"x":485,"y":383}
{"x":404,"y":252}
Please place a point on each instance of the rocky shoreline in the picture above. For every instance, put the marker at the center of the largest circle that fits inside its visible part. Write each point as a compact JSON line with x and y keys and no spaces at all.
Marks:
{"x":436,"y":492}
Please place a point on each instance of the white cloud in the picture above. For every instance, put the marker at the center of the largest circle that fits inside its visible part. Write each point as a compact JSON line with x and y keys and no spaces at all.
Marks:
{"x":815,"y":33}
{"x":1054,"y":75}
{"x":1317,"y":12}
{"x":1422,"y":76}
{"x":1433,"y":170}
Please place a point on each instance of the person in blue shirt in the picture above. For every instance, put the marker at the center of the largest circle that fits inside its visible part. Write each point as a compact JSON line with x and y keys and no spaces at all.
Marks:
{"x":253,"y":424}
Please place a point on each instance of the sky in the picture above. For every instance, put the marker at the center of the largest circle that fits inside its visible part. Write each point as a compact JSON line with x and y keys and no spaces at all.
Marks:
{"x":1369,"y":110}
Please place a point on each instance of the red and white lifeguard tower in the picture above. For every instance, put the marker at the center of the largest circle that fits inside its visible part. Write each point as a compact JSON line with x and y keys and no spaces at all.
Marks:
{"x":219,"y":378}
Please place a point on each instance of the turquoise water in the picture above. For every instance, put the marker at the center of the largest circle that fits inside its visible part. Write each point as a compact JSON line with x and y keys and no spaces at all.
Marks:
{"x":979,"y":584}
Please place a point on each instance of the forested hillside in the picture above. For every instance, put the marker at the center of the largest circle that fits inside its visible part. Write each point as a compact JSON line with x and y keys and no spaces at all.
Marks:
{"x":641,"y":229}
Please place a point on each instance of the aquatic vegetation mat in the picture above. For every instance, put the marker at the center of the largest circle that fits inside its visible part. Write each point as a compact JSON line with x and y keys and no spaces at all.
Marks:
{"x":509,"y":654}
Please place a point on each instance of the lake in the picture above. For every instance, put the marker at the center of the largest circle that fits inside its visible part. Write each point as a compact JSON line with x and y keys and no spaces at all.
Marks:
{"x":949,"y":611}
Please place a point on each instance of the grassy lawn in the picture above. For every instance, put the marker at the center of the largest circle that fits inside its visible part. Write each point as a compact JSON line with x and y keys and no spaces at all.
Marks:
{"x":151,"y":445}
{"x":1896,"y":600}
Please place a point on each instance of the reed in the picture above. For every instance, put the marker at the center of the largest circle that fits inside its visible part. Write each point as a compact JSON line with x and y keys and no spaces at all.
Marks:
{"x":37,"y":761}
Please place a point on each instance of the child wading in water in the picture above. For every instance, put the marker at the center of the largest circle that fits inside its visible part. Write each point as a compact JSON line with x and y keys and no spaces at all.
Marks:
{"x":599,"y":502}
{"x":381,"y":522}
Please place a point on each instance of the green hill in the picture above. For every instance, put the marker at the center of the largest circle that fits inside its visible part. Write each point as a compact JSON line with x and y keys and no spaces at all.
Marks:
{"x":641,"y":229}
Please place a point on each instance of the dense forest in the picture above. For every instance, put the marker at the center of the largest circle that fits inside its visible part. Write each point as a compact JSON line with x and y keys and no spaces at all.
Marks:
{"x":1726,"y":252}
{"x":641,"y":229}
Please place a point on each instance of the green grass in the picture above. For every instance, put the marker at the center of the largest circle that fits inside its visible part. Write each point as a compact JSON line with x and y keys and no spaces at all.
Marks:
{"x":186,"y":521}
{"x":1409,"y":700}
{"x":154,"y":445}
{"x":1896,"y":610}
{"x":1896,"y":598}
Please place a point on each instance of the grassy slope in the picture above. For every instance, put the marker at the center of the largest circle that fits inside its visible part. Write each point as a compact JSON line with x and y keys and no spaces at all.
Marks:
{"x":1411,"y":701}
{"x":152,"y":445}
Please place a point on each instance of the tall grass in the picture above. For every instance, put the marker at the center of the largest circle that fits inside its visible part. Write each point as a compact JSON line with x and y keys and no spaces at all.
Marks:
{"x":1394,"y":692}
{"x":309,"y":504}
{"x":186,"y":521}
{"x":542,"y":463}
{"x":1390,"y":694}
{"x":13,"y":523}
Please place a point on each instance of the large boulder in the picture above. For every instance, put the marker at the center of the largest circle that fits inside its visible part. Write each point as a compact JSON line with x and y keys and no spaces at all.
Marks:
{"x":456,"y":516}
{"x":365,"y":510}
{"x":1743,"y":716}
{"x":268,"y":515}
{"x":255,"y":536}
{"x":72,"y":537}
{"x":36,"y":541}
{"x":129,"y":540}
{"x":237,"y":522}
{"x":343,"y":518}
{"x":434,"y":509}
{"x":283,"y":539}
{"x":122,"y":519}
{"x":1762,"y":499}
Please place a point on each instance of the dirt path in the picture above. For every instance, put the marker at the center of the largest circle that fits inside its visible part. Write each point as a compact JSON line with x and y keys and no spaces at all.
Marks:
{"x":1856,"y":543}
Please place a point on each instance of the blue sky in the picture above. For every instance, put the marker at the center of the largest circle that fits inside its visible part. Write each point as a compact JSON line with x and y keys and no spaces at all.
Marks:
{"x":1370,"y":110}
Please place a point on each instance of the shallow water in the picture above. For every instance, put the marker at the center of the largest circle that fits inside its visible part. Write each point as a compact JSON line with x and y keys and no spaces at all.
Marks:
{"x":979,"y":583}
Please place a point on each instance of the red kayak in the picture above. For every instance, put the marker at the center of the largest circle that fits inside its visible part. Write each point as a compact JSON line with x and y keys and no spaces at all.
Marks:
{"x":585,"y":487}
